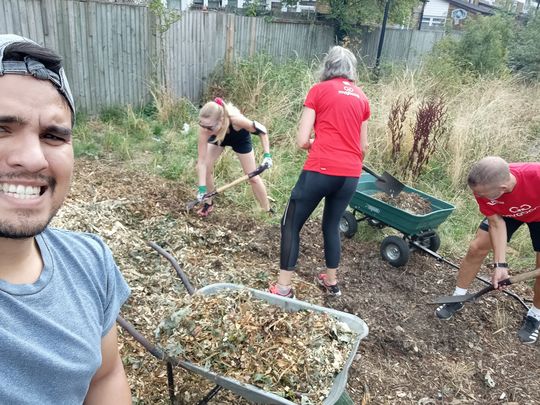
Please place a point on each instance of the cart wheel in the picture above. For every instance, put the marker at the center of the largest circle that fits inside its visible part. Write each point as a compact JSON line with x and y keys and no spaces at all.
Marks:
{"x":347,"y":224}
{"x":395,"y":251}
{"x":434,"y":242}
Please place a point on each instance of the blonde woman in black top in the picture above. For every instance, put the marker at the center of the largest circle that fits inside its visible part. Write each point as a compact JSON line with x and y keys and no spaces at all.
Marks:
{"x":220,"y":125}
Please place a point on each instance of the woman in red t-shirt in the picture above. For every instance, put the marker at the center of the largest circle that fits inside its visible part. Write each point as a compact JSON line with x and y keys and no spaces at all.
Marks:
{"x":336,"y":110}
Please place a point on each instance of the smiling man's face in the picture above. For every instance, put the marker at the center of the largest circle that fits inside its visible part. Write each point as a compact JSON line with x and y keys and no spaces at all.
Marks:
{"x":36,"y":154}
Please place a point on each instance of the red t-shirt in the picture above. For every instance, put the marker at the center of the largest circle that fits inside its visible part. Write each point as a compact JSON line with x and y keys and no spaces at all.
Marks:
{"x":523,"y":202}
{"x":340,"y":108}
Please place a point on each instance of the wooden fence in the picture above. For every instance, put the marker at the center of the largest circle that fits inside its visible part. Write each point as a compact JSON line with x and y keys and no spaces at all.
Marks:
{"x":113,"y":51}
{"x":107,"y":48}
{"x":201,"y":41}
{"x":406,"y":47}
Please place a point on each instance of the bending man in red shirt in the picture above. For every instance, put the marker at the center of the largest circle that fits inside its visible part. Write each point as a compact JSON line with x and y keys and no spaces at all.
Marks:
{"x":507,"y":194}
{"x":337,"y":111}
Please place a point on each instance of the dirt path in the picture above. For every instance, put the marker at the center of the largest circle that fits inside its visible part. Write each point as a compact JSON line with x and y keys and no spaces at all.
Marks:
{"x":409,"y":357}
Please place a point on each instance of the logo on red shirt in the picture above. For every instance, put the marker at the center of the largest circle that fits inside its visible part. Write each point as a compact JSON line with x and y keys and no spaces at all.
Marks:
{"x":521,"y":210}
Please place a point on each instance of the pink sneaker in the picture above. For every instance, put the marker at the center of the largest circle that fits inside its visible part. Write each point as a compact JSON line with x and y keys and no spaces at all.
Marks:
{"x":205,"y":210}
{"x":330,"y":289}
{"x":274,"y":290}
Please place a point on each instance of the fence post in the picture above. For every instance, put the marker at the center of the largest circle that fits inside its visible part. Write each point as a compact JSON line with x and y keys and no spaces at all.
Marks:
{"x":253,"y":36}
{"x":229,"y":52}
{"x":411,"y":34}
{"x":154,"y":49}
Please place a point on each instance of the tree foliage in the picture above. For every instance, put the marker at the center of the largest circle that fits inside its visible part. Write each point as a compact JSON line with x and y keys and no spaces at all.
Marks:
{"x":481,"y":49}
{"x":348,"y":15}
{"x":524,"y":53}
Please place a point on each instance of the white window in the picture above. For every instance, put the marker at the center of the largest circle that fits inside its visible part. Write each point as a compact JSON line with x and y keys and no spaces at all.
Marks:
{"x":433,"y":21}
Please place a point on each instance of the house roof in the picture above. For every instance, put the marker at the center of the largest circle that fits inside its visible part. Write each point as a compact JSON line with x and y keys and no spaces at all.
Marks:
{"x":481,"y":9}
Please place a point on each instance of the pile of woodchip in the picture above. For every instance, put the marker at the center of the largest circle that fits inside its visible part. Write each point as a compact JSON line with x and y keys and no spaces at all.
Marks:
{"x":296,"y":355}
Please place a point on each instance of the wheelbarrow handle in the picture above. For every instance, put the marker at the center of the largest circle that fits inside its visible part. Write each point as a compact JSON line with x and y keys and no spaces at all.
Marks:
{"x":129,"y":328}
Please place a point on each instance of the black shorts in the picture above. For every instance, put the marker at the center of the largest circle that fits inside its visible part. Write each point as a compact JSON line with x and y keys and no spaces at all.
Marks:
{"x":512,"y":225}
{"x":239,"y":141}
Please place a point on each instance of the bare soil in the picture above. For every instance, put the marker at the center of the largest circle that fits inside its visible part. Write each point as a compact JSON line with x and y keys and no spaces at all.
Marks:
{"x":409,"y":356}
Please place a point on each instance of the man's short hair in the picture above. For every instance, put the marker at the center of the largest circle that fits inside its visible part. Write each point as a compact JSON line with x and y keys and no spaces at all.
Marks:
{"x":19,"y":55}
{"x":489,"y":171}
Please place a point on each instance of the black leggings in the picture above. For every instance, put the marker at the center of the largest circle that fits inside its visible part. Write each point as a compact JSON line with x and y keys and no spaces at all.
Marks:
{"x":309,"y":190}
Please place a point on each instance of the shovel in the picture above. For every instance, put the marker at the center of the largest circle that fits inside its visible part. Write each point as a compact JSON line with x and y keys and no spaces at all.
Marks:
{"x":386,"y":182}
{"x":245,"y":177}
{"x":473,"y":297}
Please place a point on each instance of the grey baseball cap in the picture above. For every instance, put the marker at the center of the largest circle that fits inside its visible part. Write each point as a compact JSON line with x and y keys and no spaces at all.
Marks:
{"x":32,"y":67}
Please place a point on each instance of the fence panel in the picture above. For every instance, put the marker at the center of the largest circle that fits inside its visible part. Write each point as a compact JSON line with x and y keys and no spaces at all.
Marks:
{"x":422,"y":43}
{"x":104,"y":47}
{"x":201,"y":41}
{"x":401,"y":46}
{"x":113,"y":51}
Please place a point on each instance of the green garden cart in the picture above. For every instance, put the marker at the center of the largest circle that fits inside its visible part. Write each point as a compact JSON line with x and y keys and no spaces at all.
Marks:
{"x":418,"y":231}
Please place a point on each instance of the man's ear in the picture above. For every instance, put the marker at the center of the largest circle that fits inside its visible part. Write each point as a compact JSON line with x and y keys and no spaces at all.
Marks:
{"x":506,"y":187}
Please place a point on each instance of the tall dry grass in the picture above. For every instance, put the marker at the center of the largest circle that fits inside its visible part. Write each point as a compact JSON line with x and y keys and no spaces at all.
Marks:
{"x":492,"y":117}
{"x":489,"y":116}
{"x":486,"y":116}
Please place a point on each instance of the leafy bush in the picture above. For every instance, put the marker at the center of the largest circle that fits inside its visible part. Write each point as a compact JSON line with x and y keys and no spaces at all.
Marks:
{"x":271,"y":92}
{"x":481,"y":50}
{"x":113,"y":115}
{"x":348,"y":15}
{"x":483,"y":47}
{"x":524,"y":54}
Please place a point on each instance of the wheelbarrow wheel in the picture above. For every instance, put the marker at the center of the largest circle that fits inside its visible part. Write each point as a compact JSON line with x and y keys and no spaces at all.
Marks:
{"x":347,"y":224}
{"x":395,"y":251}
{"x":434,"y":242}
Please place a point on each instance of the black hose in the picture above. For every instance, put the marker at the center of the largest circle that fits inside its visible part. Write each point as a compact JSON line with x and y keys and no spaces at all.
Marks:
{"x":176,"y":266}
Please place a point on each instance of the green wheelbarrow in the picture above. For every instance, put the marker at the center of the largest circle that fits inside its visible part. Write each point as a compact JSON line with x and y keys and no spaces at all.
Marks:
{"x":419,"y":231}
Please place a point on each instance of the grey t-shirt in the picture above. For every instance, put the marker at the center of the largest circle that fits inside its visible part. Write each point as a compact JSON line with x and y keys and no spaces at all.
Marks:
{"x":51,"y":330}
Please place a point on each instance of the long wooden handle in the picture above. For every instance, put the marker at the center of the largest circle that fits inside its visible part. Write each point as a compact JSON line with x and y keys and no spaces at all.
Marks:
{"x":524,"y":276}
{"x":233,"y":183}
{"x":254,"y":173}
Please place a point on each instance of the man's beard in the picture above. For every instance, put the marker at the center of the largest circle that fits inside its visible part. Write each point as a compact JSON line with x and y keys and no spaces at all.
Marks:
{"x":25,"y":228}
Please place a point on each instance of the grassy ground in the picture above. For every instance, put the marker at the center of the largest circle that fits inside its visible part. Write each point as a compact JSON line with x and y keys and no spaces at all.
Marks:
{"x":486,"y":116}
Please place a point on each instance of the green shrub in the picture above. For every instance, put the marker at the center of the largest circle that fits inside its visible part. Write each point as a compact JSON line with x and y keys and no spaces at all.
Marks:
{"x":524,"y":54}
{"x":271,"y":92}
{"x":113,"y":115}
{"x":483,"y":48}
{"x":480,"y":50}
